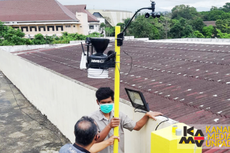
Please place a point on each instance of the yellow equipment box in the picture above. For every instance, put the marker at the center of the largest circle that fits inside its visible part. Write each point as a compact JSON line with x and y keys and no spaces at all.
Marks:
{"x":165,"y":141}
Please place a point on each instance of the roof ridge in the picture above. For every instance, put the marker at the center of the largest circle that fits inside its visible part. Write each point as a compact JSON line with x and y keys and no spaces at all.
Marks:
{"x":82,"y":8}
{"x":66,"y":11}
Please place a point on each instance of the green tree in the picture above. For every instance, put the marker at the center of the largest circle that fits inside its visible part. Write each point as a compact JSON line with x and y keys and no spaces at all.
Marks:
{"x":166,"y":22}
{"x":226,"y":7}
{"x":181,"y":29}
{"x":184,"y":11}
{"x":197,"y":24}
{"x":223,"y":25}
{"x":175,"y":31}
{"x":39,"y":39}
{"x":94,"y":34}
{"x":122,"y":25}
{"x":143,"y":27}
{"x":222,"y":35}
{"x":3,"y":29}
{"x":110,"y":31}
{"x":198,"y":34}
{"x":11,"y":36}
{"x":208,"y":31}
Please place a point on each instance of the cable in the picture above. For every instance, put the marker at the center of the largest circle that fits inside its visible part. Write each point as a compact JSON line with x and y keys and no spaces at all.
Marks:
{"x":28,"y":114}
{"x":161,"y":123}
{"x":131,"y":67}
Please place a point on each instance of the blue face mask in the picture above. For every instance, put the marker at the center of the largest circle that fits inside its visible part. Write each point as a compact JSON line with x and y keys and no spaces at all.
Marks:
{"x":106,"y":108}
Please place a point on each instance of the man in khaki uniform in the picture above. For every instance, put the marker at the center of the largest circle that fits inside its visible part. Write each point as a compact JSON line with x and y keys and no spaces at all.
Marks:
{"x":104,"y":117}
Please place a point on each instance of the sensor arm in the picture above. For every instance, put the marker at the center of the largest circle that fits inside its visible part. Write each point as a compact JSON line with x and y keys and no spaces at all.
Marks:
{"x":149,"y":8}
{"x":120,"y":36}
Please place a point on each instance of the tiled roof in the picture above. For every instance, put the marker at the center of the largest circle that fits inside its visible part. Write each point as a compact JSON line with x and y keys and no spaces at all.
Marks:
{"x":208,"y":23}
{"x":187,"y":82}
{"x":34,"y":10}
{"x":82,"y":9}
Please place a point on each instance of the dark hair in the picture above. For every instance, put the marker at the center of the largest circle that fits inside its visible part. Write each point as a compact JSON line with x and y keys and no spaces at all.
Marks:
{"x":85,"y":130}
{"x":104,"y":93}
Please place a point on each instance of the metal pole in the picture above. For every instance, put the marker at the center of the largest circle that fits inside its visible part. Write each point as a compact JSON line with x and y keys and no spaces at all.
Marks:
{"x":116,"y":88}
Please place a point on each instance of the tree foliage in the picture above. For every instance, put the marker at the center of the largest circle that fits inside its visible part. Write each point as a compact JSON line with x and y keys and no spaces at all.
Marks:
{"x":10,"y":36}
{"x":208,"y":31}
{"x":184,"y":11}
{"x":222,"y":35}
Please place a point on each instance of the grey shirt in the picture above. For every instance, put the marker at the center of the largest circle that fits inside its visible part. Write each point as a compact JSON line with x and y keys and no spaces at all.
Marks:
{"x":69,"y":148}
{"x":102,"y":122}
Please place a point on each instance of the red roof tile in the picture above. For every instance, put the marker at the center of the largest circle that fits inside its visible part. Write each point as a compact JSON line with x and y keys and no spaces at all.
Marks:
{"x":208,"y":23}
{"x":187,"y":82}
{"x":34,"y":10}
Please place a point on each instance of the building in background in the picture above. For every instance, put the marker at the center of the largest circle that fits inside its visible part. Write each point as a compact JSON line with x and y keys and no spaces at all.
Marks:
{"x":47,"y":17}
{"x":112,"y":16}
{"x":208,"y":23}
{"x":93,"y":22}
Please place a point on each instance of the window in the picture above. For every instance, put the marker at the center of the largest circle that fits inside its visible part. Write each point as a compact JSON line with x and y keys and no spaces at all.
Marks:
{"x":59,"y":27}
{"x":50,"y":27}
{"x":26,"y":28}
{"x":91,"y":27}
{"x":33,"y":27}
{"x":68,"y":26}
{"x":97,"y":14}
{"x":41,"y":27}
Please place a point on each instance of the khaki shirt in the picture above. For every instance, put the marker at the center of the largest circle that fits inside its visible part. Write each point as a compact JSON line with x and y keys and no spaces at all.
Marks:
{"x":102,"y":122}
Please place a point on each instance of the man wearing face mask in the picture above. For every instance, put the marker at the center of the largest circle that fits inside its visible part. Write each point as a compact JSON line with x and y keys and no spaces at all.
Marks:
{"x":104,"y":117}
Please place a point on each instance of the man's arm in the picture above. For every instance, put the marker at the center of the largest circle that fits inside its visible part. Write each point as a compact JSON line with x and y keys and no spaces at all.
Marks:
{"x":97,"y":147}
{"x":114,"y":123}
{"x":145,"y":118}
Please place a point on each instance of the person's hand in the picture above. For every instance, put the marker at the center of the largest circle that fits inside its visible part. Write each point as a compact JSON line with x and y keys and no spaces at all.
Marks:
{"x":111,"y":139}
{"x":114,"y":122}
{"x":153,"y":114}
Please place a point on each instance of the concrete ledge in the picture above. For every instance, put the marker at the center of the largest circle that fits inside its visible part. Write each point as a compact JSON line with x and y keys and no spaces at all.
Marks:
{"x":31,"y":47}
{"x":195,"y":41}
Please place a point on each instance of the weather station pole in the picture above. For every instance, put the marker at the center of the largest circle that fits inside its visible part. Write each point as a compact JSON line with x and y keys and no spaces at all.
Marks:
{"x":119,"y":37}
{"x":116,"y":88}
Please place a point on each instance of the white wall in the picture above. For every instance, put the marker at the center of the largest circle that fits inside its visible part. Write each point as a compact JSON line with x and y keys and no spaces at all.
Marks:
{"x":30,"y":47}
{"x":218,"y":41}
{"x":65,"y":100}
{"x":83,"y":28}
{"x":115,"y":16}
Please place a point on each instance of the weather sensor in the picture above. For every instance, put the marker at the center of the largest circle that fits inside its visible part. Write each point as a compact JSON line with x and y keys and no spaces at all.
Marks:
{"x":97,"y":63}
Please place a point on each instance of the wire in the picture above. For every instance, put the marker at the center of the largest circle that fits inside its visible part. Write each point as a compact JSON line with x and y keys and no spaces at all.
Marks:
{"x":161,"y":123}
{"x":28,"y":114}
{"x":131,"y":64}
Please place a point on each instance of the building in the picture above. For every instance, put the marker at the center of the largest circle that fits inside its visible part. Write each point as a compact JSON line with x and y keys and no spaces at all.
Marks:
{"x":48,"y":17}
{"x":112,"y":16}
{"x":93,"y":22}
{"x":208,"y":23}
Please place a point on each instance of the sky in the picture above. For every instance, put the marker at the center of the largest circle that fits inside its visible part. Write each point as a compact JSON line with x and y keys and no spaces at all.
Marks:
{"x":134,"y":5}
